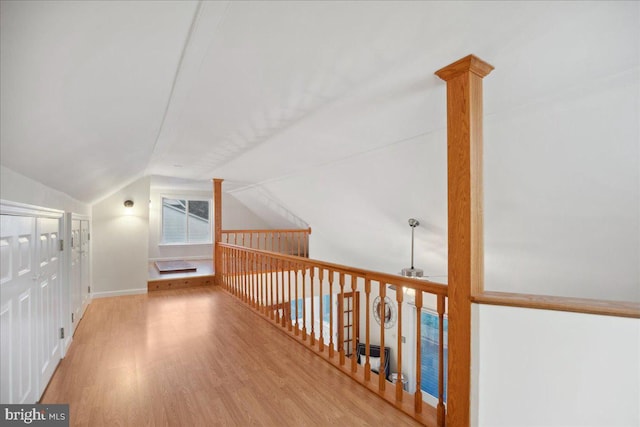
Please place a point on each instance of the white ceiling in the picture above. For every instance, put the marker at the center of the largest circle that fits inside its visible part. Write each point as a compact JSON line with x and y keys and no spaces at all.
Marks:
{"x":96,"y":94}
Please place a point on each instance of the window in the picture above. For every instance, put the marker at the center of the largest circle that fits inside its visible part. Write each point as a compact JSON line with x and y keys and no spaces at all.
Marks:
{"x":429,"y":342}
{"x":186,"y":221}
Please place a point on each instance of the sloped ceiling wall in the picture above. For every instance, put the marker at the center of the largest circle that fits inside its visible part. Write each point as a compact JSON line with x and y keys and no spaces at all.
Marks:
{"x":562,"y":182}
{"x":333,"y":109}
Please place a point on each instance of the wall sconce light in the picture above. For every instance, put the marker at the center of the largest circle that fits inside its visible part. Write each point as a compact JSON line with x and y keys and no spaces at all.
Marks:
{"x":412,"y":272}
{"x":128,"y":203}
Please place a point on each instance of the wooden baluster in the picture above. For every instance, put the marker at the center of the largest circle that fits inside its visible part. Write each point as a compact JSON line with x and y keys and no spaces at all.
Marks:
{"x":331,"y":343}
{"x":297,"y":329}
{"x":290,"y":243}
{"x":254,"y":298}
{"x":256,"y":282}
{"x":382,"y":313}
{"x":238,"y":278}
{"x":234,"y":274}
{"x":290,"y":267}
{"x":232,"y":270}
{"x":283,"y":318}
{"x":312,"y":337}
{"x":355,"y":319}
{"x":298,"y":241}
{"x":399,"y":389}
{"x":367,"y":349}
{"x":223,"y":270}
{"x":263,"y":286}
{"x":276,"y":301}
{"x":306,"y":245}
{"x":273,"y":301}
{"x":279,"y":242}
{"x":238,"y":274}
{"x":418,"y":393}
{"x":321,"y":315}
{"x":247,"y":278}
{"x":273,"y":244}
{"x":252,"y":279}
{"x":243,"y":284}
{"x":243,"y":234}
{"x":225,"y":260}
{"x":341,"y":321}
{"x":441,"y":409}
{"x":304,"y":303}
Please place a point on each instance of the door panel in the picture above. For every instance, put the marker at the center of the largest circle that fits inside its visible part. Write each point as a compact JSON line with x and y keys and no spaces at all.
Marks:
{"x":18,"y":309}
{"x":85,"y":260}
{"x":49,"y":297}
{"x":75,"y":274}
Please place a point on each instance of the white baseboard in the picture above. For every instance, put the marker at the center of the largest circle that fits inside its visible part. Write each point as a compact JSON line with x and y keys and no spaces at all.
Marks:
{"x":123,"y":292}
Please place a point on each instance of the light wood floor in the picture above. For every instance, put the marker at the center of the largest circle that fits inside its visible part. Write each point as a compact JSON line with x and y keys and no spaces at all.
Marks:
{"x":198,"y":357}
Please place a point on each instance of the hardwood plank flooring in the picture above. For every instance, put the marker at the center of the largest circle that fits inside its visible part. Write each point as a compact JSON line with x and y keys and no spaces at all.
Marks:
{"x":198,"y":357}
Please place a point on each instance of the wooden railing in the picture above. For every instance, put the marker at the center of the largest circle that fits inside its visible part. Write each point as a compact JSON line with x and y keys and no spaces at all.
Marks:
{"x":265,"y":279}
{"x":274,"y":284}
{"x":284,"y":241}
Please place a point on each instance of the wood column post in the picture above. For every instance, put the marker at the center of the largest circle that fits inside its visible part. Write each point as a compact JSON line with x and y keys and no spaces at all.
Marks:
{"x":466,"y":251}
{"x":217,"y":230}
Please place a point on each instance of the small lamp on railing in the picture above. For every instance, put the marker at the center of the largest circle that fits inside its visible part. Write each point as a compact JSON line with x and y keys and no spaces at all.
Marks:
{"x":412,"y":271}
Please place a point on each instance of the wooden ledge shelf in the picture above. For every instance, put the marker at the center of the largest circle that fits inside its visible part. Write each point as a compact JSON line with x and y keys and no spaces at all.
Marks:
{"x":547,"y":302}
{"x":203,"y":276}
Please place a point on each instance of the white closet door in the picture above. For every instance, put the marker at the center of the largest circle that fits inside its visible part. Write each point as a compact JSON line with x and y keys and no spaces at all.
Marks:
{"x":75,"y":275}
{"x":18,"y":309}
{"x":85,"y":260}
{"x":48,"y":280}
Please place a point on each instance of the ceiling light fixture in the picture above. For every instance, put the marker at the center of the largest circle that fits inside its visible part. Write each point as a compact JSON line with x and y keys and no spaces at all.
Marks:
{"x":128,"y":203}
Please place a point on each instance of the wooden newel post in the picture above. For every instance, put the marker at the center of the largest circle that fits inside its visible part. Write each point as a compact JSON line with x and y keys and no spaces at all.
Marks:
{"x":217,"y":230}
{"x":466,"y":252}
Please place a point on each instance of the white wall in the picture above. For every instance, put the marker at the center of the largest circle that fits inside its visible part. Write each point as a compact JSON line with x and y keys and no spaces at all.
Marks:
{"x":18,"y":188}
{"x":550,"y":368}
{"x":562,"y":162}
{"x":120,"y":242}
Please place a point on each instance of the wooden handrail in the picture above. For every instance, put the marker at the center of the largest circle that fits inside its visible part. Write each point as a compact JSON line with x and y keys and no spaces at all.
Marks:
{"x":284,"y":240}
{"x":548,"y":302}
{"x":263,"y":280}
{"x":268,"y":230}
{"x":417,"y":284}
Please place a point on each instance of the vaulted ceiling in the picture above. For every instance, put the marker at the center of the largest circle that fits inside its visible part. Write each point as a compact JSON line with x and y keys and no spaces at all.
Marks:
{"x":96,"y":94}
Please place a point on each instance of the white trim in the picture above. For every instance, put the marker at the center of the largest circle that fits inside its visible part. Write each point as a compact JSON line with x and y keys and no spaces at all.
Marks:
{"x":8,"y":207}
{"x":186,"y":244}
{"x":107,"y":294}
{"x":80,"y":217}
{"x":66,"y":343}
{"x":184,"y":258}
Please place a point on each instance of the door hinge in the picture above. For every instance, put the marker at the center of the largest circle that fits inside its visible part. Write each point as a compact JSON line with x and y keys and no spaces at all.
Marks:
{"x":88,"y":236}
{"x":88,"y":289}
{"x":61,"y":245}
{"x":61,"y":333}
{"x":71,"y":317}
